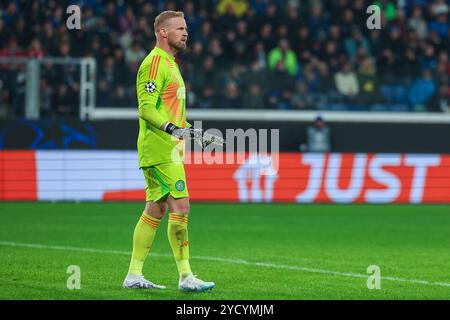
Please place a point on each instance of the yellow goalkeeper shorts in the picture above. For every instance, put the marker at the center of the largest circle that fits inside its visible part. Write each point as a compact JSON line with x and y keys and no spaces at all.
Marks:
{"x":165,"y":179}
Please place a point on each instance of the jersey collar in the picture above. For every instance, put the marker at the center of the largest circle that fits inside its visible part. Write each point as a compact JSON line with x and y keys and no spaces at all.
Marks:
{"x":164,"y":53}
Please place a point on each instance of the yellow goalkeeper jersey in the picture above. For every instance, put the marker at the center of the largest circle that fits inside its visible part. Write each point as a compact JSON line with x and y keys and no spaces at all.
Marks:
{"x":161,"y":97}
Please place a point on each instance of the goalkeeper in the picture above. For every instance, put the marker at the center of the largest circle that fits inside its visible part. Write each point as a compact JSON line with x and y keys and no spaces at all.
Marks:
{"x":162,"y":130}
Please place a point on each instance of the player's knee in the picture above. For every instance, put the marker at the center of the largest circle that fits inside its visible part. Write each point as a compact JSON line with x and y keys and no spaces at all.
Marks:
{"x":155,"y":213}
{"x":156,"y":210}
{"x":163,"y":208}
{"x":184,"y":209}
{"x":158,"y":215}
{"x":180,"y":206}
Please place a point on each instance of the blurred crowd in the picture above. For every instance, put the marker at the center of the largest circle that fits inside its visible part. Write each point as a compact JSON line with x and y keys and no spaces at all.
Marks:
{"x":278,"y":54}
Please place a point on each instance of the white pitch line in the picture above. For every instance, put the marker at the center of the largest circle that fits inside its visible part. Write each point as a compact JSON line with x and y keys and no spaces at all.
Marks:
{"x":228,"y":260}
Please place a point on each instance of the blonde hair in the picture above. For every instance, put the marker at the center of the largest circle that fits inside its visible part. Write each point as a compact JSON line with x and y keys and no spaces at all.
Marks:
{"x":164,"y":16}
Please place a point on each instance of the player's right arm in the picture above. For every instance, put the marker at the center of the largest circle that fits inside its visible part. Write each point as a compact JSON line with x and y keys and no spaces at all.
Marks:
{"x":152,"y":78}
{"x":151,"y":81}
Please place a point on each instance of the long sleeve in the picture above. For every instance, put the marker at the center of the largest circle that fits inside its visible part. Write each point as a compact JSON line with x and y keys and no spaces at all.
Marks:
{"x":150,"y":84}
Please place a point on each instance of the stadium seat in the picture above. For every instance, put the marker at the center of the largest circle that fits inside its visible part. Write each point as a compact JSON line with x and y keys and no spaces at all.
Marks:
{"x":379,"y":107}
{"x":399,"y":107}
{"x":387,"y":92}
{"x":338,"y":107}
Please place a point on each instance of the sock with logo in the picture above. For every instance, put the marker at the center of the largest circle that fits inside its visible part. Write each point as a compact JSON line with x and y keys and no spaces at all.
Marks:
{"x":178,"y":238}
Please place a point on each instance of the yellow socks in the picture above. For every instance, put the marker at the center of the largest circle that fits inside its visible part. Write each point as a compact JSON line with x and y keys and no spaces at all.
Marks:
{"x":178,"y":238}
{"x":144,"y":233}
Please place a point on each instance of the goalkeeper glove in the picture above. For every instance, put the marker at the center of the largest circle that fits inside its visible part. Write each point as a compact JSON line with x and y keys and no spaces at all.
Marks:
{"x":211,"y":139}
{"x":183,"y":133}
{"x":202,"y":138}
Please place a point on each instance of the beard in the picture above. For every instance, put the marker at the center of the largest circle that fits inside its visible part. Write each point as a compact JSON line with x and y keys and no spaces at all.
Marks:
{"x":178,"y":45}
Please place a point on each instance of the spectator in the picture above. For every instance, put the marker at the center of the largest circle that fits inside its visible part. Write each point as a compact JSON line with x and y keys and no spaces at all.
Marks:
{"x":231,"y":97}
{"x":356,"y":41}
{"x":266,"y":36}
{"x":207,"y":77}
{"x":36,"y":49}
{"x":441,"y":101}
{"x":103,"y":93}
{"x":227,"y":20}
{"x":409,"y":65}
{"x":13,"y":49}
{"x":428,"y":60}
{"x":18,"y":78}
{"x":207,"y":97}
{"x":121,"y":70}
{"x":347,"y":23}
{"x":368,"y":80}
{"x":63,"y":102}
{"x":3,"y":35}
{"x":421,"y":91}
{"x":243,"y":42}
{"x":327,"y":89}
{"x":111,"y":17}
{"x":304,"y":44}
{"x":418,"y":23}
{"x":259,"y":6}
{"x":45,"y":96}
{"x":119,"y":97}
{"x":292,"y":22}
{"x":318,"y":136}
{"x":128,"y":21}
{"x":135,"y":54}
{"x":253,"y":99}
{"x":347,"y":82}
{"x":260,"y":56}
{"x":238,"y":7}
{"x":217,"y":52}
{"x":388,"y":8}
{"x":90,"y":20}
{"x":331,"y":54}
{"x":193,"y":21}
{"x":359,"y":8}
{"x":285,"y":54}
{"x":272,"y":16}
{"x":108,"y":72}
{"x":318,"y":21}
{"x":311,"y":76}
{"x":440,"y":25}
{"x":302,"y":99}
{"x":439,"y":7}
{"x":444,"y":64}
{"x":281,"y":88}
{"x":256,"y":74}
{"x":191,"y":97}
{"x":234,"y":75}
{"x":197,"y":55}
{"x":205,"y":34}
{"x":11,"y":16}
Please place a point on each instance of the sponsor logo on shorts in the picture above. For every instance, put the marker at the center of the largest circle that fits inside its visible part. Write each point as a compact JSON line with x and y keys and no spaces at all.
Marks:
{"x":179,"y":185}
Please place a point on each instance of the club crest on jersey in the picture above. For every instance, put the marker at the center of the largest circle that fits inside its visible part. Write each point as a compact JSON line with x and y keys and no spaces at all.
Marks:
{"x":181,"y":93}
{"x":150,"y":86}
{"x":179,"y":185}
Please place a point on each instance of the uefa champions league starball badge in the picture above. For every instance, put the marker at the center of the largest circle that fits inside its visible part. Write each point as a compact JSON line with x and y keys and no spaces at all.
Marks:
{"x":150,"y":87}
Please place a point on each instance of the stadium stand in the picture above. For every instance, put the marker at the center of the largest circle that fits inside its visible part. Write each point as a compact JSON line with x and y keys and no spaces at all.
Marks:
{"x":297,"y":55}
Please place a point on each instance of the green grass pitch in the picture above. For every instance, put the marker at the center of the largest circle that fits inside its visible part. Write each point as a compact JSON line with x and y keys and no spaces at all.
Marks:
{"x":260,"y":251}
